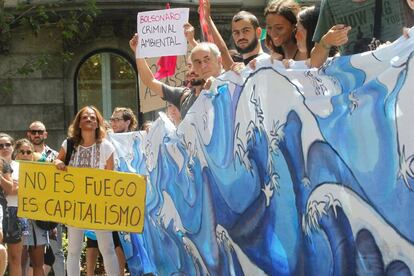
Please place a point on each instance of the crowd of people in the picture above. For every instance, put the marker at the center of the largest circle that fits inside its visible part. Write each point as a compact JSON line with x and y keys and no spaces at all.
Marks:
{"x":293,"y":33}
{"x":32,"y":249}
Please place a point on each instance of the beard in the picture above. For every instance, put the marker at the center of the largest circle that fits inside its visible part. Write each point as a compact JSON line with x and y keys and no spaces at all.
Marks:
{"x":38,"y":141}
{"x":197,"y":82}
{"x":250,"y":47}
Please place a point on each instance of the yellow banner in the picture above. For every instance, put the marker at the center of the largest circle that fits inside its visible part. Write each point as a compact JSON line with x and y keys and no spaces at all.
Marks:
{"x":85,"y":198}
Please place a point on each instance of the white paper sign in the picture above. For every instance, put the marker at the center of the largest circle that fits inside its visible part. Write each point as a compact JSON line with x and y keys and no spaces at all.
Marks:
{"x":161,"y":33}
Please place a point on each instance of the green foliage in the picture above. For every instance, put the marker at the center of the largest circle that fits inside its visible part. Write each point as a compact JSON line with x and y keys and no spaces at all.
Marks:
{"x":71,"y":23}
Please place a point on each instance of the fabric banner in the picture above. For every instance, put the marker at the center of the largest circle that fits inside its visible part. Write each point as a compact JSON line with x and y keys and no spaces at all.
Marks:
{"x":80,"y":197}
{"x":287,"y":172}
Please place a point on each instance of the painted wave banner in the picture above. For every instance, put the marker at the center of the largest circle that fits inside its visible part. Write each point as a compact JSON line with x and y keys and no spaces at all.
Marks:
{"x":284,"y":172}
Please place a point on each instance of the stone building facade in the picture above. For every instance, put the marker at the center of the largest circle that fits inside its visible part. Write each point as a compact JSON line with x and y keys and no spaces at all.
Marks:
{"x":101,"y":70}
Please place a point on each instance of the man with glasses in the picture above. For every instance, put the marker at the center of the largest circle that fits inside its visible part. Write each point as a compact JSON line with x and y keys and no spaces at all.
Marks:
{"x":37,"y":134}
{"x":123,"y":120}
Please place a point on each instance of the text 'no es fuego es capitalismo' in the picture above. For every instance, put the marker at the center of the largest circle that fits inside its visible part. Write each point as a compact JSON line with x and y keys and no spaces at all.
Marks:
{"x":105,"y":212}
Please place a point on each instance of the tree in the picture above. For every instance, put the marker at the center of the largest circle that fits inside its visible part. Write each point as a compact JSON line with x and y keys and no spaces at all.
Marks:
{"x":72,"y":22}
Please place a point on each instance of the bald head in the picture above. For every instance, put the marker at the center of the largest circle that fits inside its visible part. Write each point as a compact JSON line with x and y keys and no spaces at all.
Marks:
{"x":37,"y":133}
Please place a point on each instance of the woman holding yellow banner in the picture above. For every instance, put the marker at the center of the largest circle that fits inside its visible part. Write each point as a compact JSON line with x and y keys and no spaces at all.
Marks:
{"x":87,"y":147}
{"x":34,"y":238}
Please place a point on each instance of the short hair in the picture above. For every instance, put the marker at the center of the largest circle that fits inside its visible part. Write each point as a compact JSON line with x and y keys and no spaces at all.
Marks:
{"x":39,"y":123}
{"x":241,"y":15}
{"x":74,"y":131}
{"x":128,"y":115}
{"x":206,"y":45}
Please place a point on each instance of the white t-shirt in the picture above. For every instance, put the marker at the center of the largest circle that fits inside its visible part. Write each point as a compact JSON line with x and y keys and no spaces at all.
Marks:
{"x":12,"y":199}
{"x":94,"y":156}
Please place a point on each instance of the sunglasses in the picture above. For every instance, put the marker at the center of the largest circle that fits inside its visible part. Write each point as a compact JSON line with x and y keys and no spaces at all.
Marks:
{"x":28,"y":152}
{"x":36,"y":131}
{"x":116,"y":119}
{"x":6,"y":145}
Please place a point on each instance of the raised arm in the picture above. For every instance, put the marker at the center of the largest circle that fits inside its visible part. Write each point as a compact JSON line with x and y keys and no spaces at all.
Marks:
{"x":144,"y":71}
{"x":218,"y":40}
{"x":189,"y":35}
{"x":336,"y":36}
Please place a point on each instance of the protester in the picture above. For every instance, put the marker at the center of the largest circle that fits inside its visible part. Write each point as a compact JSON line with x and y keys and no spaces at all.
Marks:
{"x":5,"y":179}
{"x":35,"y":238}
{"x":189,"y":35}
{"x":206,"y":63}
{"x":146,"y":126}
{"x":13,"y":235}
{"x":246,"y":33}
{"x":305,"y":28}
{"x":37,"y":134}
{"x":174,"y":114}
{"x":92,"y":150}
{"x":371,"y":25}
{"x":281,"y":22}
{"x":122,"y":120}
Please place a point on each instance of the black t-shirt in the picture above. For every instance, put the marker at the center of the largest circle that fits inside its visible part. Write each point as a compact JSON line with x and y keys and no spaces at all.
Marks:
{"x":247,"y":60}
{"x":174,"y":94}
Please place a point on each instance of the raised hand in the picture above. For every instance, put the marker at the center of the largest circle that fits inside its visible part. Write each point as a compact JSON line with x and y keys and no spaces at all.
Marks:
{"x":189,"y":34}
{"x":336,"y":36}
{"x":133,"y":42}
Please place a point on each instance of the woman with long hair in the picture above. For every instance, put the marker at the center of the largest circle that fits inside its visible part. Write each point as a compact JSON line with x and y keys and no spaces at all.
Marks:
{"x":13,"y":233}
{"x":91,"y":150}
{"x":281,"y":21}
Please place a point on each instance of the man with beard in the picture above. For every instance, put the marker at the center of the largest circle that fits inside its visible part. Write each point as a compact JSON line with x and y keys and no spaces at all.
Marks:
{"x":206,"y":62}
{"x":37,"y":134}
{"x":245,"y":32}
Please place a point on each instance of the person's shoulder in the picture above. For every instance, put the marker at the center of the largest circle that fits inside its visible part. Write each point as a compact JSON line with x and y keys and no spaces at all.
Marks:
{"x":106,"y":143}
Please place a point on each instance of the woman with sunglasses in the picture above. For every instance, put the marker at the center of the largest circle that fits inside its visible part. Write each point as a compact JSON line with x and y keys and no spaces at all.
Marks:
{"x":13,"y":234}
{"x":92,"y":150}
{"x":34,"y":238}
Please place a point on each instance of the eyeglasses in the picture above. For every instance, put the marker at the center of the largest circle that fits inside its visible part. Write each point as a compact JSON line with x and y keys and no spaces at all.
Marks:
{"x":116,"y":119}
{"x":6,"y":145}
{"x":36,"y":131}
{"x":28,"y":152}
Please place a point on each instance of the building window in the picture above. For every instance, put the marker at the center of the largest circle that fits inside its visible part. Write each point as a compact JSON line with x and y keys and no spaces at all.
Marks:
{"x":107,"y":80}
